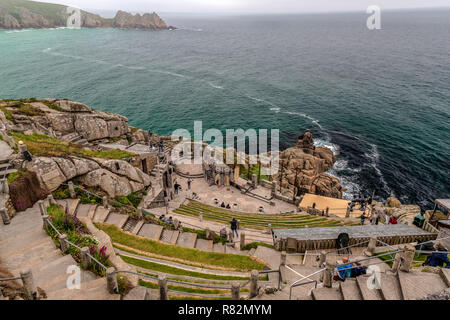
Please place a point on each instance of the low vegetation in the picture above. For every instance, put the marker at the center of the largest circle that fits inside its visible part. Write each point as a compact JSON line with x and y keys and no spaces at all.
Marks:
{"x":77,"y":234}
{"x":175,"y":271}
{"x":45,"y":146}
{"x":256,"y":221}
{"x":238,"y":262}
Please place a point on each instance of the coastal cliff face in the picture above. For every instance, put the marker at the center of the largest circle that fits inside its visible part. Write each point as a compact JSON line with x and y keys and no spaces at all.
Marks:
{"x":20,"y":14}
{"x":302,"y":169}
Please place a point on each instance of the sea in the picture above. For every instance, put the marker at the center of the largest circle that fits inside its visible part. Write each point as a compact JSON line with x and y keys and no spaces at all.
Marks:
{"x":380,"y":99}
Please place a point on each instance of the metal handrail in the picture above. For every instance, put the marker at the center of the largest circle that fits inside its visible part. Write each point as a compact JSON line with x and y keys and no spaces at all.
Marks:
{"x":296,"y":283}
{"x":10,"y":279}
{"x":274,"y":271}
{"x":301,"y":284}
{"x":74,"y":245}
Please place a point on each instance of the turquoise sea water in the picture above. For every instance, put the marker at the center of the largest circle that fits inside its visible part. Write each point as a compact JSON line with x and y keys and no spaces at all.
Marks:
{"x":380,"y":99}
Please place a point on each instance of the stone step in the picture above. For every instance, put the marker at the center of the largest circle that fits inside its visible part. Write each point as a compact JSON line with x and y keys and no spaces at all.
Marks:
{"x":92,"y":290}
{"x":101,"y":214}
{"x":151,"y":231}
{"x":187,"y":239}
{"x":31,"y":255}
{"x":349,"y":290}
{"x":23,"y":241}
{"x":72,"y":204}
{"x":390,"y":287}
{"x":170,"y":236}
{"x":83,"y":210}
{"x":219,"y":248}
{"x":445,"y":275}
{"x":205,"y":245}
{"x":326,"y":294}
{"x":138,"y":227}
{"x":417,"y":285}
{"x":91,"y":212}
{"x":366,"y":293}
{"x":6,"y":173}
{"x":117,"y":219}
{"x":130,"y":224}
{"x":4,"y":165}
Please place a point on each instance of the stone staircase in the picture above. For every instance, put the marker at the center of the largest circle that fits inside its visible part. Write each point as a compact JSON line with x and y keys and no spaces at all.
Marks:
{"x":402,"y":286}
{"x":25,"y":245}
{"x":6,"y":168}
{"x":74,"y":137}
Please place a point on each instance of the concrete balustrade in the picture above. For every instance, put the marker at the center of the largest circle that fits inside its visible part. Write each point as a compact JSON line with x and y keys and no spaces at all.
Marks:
{"x":51,"y":200}
{"x":254,"y":283}
{"x":328,"y":275}
{"x":85,"y":258}
{"x":5,"y":216}
{"x":163,"y":288}
{"x":45,"y":220}
{"x":372,"y":246}
{"x":73,"y":194}
{"x":105,"y":202}
{"x":242,"y":241}
{"x":28,"y":284}
{"x":111,"y":280}
{"x":42,"y":208}
{"x":63,"y":242}
{"x":283,"y":258}
{"x":235,"y":291}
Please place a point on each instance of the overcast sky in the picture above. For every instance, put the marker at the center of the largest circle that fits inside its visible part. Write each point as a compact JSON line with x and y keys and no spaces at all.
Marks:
{"x":249,"y":6}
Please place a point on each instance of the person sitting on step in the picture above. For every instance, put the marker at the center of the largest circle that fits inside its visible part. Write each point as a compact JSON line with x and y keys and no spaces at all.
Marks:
{"x":438,"y":258}
{"x":344,"y":270}
{"x":228,"y":206}
{"x":170,"y":220}
{"x":223,"y":233}
{"x":222,"y":205}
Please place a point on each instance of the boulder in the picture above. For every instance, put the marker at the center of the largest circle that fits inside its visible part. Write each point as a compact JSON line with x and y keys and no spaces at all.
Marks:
{"x":91,"y":127}
{"x":84,"y":166}
{"x":393,"y":202}
{"x":48,"y":170}
{"x":109,"y":182}
{"x":61,"y":122}
{"x":67,"y":167}
{"x":72,"y":106}
{"x":123,"y":168}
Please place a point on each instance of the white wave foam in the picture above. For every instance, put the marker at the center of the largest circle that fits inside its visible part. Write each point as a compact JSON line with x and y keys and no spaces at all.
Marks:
{"x":215,"y":86}
{"x":277,"y":110}
{"x":374,"y":157}
{"x":327,"y":144}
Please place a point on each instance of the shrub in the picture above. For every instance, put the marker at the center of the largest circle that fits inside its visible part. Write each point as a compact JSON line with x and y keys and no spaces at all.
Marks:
{"x":25,"y":190}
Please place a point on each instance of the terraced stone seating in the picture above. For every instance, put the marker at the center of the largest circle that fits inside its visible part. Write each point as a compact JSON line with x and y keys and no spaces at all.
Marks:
{"x":256,"y":221}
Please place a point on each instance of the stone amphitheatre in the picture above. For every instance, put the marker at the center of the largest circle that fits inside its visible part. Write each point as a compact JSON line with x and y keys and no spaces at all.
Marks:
{"x":81,"y":188}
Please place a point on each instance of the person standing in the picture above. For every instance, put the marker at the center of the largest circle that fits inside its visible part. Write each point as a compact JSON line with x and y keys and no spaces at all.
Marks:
{"x":233,"y":224}
{"x":189,"y":182}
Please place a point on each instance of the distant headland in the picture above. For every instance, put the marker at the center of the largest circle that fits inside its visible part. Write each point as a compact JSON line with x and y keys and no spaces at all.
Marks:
{"x":23,"y":14}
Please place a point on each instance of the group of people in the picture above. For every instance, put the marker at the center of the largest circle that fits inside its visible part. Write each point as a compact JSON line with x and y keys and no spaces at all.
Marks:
{"x":225,"y":206}
{"x":169,"y":221}
{"x":233,"y":227}
{"x":375,"y":219}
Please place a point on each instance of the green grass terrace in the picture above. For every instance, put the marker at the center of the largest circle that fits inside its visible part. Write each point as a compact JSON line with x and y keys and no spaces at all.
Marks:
{"x":257,"y":221}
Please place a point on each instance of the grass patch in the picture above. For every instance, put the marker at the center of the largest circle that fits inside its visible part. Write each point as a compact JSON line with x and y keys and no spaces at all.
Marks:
{"x":15,"y":175}
{"x":243,"y":263}
{"x":45,"y":146}
{"x":255,"y":245}
{"x":176,"y":271}
{"x":152,"y":285}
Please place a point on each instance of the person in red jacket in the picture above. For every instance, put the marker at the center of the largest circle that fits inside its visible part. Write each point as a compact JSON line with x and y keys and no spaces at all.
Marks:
{"x":393,"y":220}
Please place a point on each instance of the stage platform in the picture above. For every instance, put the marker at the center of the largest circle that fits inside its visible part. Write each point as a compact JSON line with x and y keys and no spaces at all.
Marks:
{"x":302,"y":239}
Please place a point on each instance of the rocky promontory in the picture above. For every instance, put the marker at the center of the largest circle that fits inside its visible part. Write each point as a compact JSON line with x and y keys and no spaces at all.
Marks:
{"x":303,"y":167}
{"x":20,"y":14}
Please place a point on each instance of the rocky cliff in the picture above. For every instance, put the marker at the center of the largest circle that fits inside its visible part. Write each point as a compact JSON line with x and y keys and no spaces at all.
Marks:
{"x":303,"y":167}
{"x":63,"y":137}
{"x":19,"y":14}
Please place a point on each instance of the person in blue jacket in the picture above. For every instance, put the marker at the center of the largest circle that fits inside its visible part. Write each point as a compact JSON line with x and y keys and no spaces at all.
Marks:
{"x":345,"y":270}
{"x":438,"y":258}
